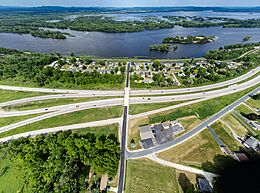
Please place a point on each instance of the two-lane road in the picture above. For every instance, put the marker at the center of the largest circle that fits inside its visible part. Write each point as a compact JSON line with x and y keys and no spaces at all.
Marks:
{"x":123,"y":134}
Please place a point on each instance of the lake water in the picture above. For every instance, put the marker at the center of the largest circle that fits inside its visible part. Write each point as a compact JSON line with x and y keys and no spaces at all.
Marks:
{"x":132,"y":44}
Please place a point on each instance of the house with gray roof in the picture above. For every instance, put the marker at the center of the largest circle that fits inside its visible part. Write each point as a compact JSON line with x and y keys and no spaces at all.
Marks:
{"x":252,"y":143}
{"x":147,"y":137}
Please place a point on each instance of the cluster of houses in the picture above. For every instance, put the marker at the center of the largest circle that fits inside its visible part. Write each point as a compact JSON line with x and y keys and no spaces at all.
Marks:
{"x":145,"y":71}
{"x":152,"y":135}
{"x":66,"y":64}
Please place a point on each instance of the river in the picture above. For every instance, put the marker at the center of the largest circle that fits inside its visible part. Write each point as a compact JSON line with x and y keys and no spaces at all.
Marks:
{"x":130,"y":44}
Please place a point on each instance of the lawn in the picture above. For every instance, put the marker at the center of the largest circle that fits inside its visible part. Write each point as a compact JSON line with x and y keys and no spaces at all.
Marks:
{"x":8,"y":95}
{"x":253,"y":103}
{"x":144,"y":176}
{"x":140,"y":108}
{"x":203,"y":109}
{"x":226,"y":138}
{"x":99,"y":131}
{"x":232,"y":122}
{"x":83,"y":116}
{"x":134,"y":132}
{"x":11,"y":177}
{"x":50,"y":103}
{"x":189,"y":122}
{"x":244,"y":109}
{"x":11,"y":120}
{"x":194,"y":152}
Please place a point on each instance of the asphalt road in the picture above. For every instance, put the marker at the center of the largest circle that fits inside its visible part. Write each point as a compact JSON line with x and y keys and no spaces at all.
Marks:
{"x":135,"y":100}
{"x":63,"y":128}
{"x":190,"y":134}
{"x":88,"y":93}
{"x":64,"y":109}
{"x":220,"y":143}
{"x":123,"y":135}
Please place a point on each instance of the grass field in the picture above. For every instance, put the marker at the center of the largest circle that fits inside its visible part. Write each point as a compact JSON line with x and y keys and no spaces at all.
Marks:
{"x":98,"y":131}
{"x":51,"y":103}
{"x":11,"y":177}
{"x":189,"y":123}
{"x":140,"y":108}
{"x":8,"y":95}
{"x":144,"y":176}
{"x":195,"y":151}
{"x":225,"y":137}
{"x":232,"y":122}
{"x":69,"y":119}
{"x":11,"y":120}
{"x":253,"y":103}
{"x":244,"y":109}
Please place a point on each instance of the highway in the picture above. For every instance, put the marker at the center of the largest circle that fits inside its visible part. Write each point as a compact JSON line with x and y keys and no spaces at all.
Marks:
{"x":190,"y":134}
{"x":197,"y":89}
{"x":89,"y":93}
{"x":63,"y":128}
{"x":135,"y":100}
{"x":45,"y":97}
{"x":49,"y":115}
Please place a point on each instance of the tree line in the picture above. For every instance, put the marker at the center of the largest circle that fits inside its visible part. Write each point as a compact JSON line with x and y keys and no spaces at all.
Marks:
{"x":30,"y":68}
{"x":60,"y":162}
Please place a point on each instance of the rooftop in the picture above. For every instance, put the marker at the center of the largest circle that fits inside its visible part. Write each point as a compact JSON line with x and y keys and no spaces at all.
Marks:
{"x":147,"y":143}
{"x":146,"y":132}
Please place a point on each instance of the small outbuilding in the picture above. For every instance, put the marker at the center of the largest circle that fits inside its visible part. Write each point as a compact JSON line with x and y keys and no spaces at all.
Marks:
{"x":103,"y":182}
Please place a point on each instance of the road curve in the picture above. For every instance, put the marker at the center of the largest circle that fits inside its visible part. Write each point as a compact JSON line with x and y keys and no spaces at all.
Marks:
{"x":62,"y":128}
{"x":49,"y":115}
{"x":75,"y":106}
{"x":45,"y":97}
{"x":193,"y":132}
{"x":141,"y":100}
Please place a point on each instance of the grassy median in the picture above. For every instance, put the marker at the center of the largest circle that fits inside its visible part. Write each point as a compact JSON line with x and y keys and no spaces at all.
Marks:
{"x":140,"y":108}
{"x":50,"y":103}
{"x":8,"y":95}
{"x":11,"y":120}
{"x":83,"y":116}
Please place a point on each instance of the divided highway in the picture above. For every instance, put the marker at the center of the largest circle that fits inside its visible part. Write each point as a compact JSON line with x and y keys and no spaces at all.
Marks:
{"x":89,"y":93}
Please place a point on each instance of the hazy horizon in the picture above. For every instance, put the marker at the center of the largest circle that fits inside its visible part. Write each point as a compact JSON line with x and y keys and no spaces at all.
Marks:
{"x":132,"y":3}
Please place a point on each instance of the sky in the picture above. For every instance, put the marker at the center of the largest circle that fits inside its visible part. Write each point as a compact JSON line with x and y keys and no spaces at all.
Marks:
{"x":129,"y":3}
